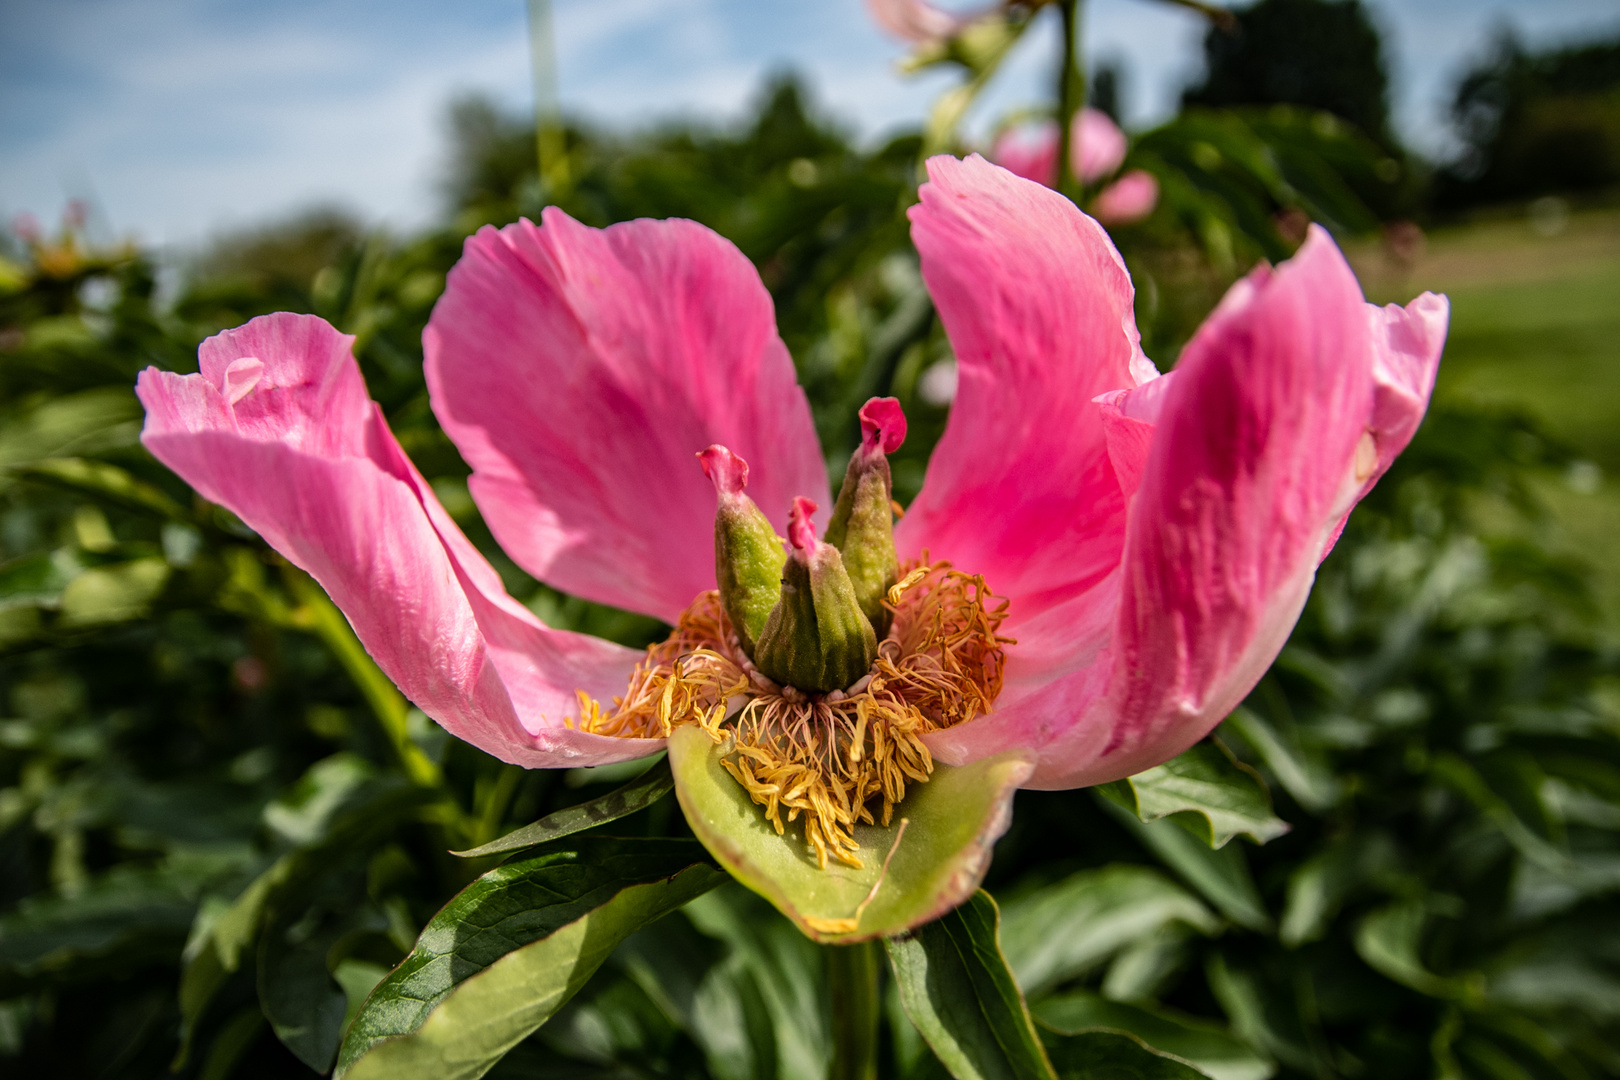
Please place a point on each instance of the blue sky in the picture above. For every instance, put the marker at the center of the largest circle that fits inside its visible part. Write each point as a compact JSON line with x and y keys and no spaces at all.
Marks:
{"x":178,"y":118}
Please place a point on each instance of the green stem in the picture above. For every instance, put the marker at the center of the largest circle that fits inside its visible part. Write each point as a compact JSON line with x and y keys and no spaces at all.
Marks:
{"x":1071,"y":96}
{"x":491,"y":801}
{"x":550,"y":139}
{"x":852,"y":977}
{"x":319,"y":615}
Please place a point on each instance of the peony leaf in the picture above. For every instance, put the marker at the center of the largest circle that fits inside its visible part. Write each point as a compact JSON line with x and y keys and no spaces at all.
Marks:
{"x":1071,"y":927}
{"x":1117,"y":1055}
{"x":1390,"y":941}
{"x":1212,"y":795}
{"x":512,"y":948}
{"x":638,"y":794}
{"x":1210,"y":1048}
{"x":930,"y":858}
{"x":101,"y":480}
{"x":958,"y":991}
{"x":1221,"y":875}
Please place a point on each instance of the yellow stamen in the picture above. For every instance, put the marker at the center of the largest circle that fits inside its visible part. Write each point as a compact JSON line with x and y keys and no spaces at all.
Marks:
{"x":825,"y":757}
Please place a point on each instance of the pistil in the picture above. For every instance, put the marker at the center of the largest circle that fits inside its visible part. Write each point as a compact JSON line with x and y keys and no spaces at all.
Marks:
{"x":822,"y":718}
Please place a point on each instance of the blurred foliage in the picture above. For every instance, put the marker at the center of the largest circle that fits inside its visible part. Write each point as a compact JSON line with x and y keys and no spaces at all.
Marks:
{"x":1320,"y":54}
{"x":220,"y":828}
{"x":1536,"y":122}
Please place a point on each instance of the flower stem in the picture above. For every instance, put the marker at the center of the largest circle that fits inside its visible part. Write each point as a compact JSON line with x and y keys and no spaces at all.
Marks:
{"x":551,"y":142}
{"x":319,"y":615}
{"x":852,"y":978}
{"x":1071,"y":95}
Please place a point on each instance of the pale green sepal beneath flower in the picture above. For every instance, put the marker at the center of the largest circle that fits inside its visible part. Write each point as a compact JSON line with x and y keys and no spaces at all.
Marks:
{"x":952,"y":822}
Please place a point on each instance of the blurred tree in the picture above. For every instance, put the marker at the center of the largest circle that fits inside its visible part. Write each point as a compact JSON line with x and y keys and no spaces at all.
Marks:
{"x":1536,"y":122}
{"x":1324,"y":54}
{"x":1106,"y":88}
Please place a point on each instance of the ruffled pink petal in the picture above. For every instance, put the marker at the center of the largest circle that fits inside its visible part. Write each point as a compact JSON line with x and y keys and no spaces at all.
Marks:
{"x":1271,"y":430}
{"x":1129,"y":418}
{"x":1130,"y":198}
{"x":915,"y":20}
{"x":1096,"y":145}
{"x":277,"y":427}
{"x":1037,"y":304}
{"x":579,"y":370}
{"x":1407,"y":343}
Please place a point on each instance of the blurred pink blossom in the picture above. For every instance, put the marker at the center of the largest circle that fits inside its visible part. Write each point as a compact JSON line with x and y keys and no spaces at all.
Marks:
{"x":1130,"y":198}
{"x":917,"y":20}
{"x":1096,"y":148}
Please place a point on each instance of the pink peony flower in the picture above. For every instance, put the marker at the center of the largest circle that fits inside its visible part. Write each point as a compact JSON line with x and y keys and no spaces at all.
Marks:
{"x":1096,"y":148}
{"x":917,"y":20}
{"x":1155,"y":536}
{"x":1130,"y":198}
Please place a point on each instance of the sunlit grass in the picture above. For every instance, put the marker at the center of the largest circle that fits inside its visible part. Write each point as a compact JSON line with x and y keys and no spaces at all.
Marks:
{"x":1536,"y":325}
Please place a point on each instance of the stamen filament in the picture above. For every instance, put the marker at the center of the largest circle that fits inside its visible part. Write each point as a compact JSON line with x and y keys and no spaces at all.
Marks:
{"x":825,"y":757}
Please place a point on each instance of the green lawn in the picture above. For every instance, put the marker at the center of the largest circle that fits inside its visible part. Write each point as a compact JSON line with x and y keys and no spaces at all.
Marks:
{"x":1535,"y":323}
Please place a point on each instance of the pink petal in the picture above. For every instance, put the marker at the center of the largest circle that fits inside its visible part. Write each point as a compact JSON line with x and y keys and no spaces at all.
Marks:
{"x":1129,"y":418}
{"x":1406,"y":357}
{"x":580,"y":370}
{"x":1271,"y":430}
{"x":1130,"y":198}
{"x":306,"y":460}
{"x":1037,"y":305}
{"x":1096,"y":145}
{"x":915,"y":20}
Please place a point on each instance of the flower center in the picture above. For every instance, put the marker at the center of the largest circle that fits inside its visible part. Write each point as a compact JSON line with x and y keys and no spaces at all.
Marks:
{"x":834,"y":759}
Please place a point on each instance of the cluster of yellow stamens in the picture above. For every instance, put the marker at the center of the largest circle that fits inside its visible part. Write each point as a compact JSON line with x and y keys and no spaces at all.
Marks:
{"x":828,"y":758}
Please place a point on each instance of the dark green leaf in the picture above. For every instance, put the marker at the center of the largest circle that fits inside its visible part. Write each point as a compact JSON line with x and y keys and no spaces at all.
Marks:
{"x":1304,"y":776}
{"x":1391,"y":939}
{"x":1211,"y":1049}
{"x":303,"y":1002}
{"x":959,"y":992}
{"x":1321,"y":884}
{"x":1116,"y":1055}
{"x":126,"y":917}
{"x":1265,"y":1016}
{"x":1215,"y":797}
{"x":786,"y":967}
{"x":638,"y":794}
{"x":732,"y":1022}
{"x":105,"y":481}
{"x":511,"y":948}
{"x":1220,"y":875}
{"x":1067,"y":929}
{"x":336,"y":809}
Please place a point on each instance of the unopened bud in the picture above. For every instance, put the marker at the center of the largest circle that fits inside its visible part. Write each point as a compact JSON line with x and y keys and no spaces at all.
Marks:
{"x":816,"y":638}
{"x":748,"y":556}
{"x":862,"y":525}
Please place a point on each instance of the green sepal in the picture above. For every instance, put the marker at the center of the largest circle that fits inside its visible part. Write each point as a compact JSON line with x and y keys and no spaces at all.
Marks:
{"x":816,"y":639}
{"x":928,"y":859}
{"x":862,"y":529}
{"x":748,"y":561}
